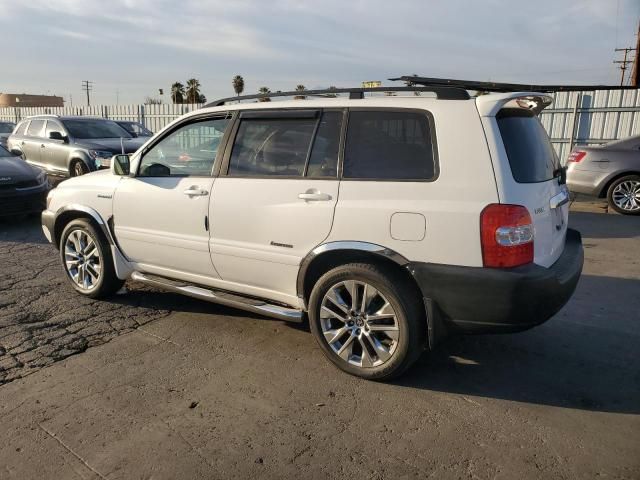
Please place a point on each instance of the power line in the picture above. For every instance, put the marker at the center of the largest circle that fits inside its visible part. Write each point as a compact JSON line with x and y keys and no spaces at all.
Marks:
{"x":87,"y":86}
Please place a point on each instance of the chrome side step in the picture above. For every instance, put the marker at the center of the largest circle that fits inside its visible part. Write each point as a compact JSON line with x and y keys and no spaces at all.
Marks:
{"x":223,"y":298}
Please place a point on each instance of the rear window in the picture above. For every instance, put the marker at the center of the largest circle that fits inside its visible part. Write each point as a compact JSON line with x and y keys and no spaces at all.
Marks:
{"x":389,"y":145}
{"x":22,"y":127}
{"x":531,"y":155}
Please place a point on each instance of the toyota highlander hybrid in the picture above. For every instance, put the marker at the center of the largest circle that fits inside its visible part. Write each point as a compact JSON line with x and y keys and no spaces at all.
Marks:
{"x":387,"y":221}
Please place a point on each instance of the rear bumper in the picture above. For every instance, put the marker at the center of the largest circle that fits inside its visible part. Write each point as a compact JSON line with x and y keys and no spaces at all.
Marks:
{"x":488,"y":300}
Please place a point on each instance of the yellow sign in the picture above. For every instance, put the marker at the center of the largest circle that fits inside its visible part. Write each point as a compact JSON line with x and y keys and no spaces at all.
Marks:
{"x":372,"y":84}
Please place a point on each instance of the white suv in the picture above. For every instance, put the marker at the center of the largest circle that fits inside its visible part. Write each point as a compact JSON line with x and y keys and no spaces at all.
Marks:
{"x":388,"y":221}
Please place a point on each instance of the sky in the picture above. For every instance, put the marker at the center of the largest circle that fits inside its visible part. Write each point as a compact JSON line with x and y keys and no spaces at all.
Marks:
{"x":132,"y":48}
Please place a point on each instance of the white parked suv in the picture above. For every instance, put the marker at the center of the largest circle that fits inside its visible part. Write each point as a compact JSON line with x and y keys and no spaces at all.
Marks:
{"x":388,"y":221}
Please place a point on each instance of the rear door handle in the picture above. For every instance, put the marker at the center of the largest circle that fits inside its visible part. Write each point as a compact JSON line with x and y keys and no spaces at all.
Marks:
{"x":314,"y":196}
{"x":195,"y":192}
{"x":42,"y":145}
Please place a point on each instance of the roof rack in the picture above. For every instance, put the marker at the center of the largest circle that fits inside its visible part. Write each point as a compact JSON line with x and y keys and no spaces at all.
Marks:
{"x":501,"y":87}
{"x":445,"y":92}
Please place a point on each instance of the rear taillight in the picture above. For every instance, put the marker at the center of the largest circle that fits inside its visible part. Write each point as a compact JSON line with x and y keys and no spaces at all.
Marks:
{"x":506,"y":233}
{"x":576,"y":156}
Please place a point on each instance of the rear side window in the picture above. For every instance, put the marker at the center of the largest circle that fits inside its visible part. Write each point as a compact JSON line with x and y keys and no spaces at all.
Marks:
{"x":272,"y":147}
{"x":531,"y":155}
{"x":389,"y":145}
{"x":21,"y":129}
{"x":35,"y":128}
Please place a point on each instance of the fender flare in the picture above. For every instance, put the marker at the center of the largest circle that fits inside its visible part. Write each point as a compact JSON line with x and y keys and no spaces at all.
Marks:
{"x":367,"y":247}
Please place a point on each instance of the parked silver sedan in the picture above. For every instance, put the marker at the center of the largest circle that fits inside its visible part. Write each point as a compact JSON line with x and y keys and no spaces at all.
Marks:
{"x":611,"y":170}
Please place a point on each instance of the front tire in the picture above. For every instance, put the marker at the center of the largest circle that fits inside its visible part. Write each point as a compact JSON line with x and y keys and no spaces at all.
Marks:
{"x":78,"y":168}
{"x":367,"y":320}
{"x":623,"y":195}
{"x":87,"y":261}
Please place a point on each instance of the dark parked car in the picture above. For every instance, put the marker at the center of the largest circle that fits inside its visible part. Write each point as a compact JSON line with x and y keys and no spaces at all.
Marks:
{"x":70,"y":146}
{"x":5,"y":130}
{"x":135,"y":129}
{"x":611,"y":170}
{"x":23,"y":188}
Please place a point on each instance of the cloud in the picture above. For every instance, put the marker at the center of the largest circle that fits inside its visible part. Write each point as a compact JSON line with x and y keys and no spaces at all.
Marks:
{"x":283,"y":42}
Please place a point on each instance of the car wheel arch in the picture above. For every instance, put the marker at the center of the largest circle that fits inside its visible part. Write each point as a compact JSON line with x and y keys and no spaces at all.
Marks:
{"x":616,"y":176}
{"x":72,"y":212}
{"x":329,"y":255}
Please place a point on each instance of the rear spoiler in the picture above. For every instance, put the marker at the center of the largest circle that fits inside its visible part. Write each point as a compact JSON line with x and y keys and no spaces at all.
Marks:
{"x":490,"y":105}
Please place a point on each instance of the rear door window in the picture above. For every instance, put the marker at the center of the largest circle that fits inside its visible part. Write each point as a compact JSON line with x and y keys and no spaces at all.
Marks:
{"x":22,"y":128}
{"x":35,"y":128}
{"x":531,"y":156}
{"x":389,"y":145}
{"x":272,"y":147}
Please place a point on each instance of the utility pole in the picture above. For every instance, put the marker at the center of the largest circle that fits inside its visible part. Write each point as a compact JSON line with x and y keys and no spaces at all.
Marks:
{"x":87,"y":86}
{"x":635,"y":73}
{"x":624,"y":63}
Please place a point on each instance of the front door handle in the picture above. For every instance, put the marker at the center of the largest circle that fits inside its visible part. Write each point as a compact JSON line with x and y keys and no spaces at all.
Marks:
{"x":195,"y":192}
{"x":42,"y":145}
{"x":314,"y":196}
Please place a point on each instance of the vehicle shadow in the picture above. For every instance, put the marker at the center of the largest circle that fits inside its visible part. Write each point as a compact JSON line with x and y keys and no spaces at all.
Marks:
{"x":586,"y":357}
{"x":601,"y":225}
{"x":22,"y":229}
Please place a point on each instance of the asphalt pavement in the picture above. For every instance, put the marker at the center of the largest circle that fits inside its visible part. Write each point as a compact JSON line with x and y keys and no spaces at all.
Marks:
{"x":151,"y":385}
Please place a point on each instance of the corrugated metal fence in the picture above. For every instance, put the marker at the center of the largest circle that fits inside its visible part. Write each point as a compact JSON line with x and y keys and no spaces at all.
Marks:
{"x":154,"y":117}
{"x":575,"y":118}
{"x":591,"y":117}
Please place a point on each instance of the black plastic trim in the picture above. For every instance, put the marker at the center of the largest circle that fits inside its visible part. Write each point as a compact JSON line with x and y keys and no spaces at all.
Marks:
{"x":486,"y":300}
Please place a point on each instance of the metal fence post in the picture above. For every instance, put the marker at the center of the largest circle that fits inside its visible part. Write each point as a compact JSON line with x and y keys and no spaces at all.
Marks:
{"x":575,"y":121}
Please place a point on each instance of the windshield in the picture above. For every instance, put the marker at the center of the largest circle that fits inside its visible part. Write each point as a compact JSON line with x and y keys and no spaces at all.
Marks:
{"x":86,"y":128}
{"x":531,"y":155}
{"x":6,"y":127}
{"x":4,"y":153}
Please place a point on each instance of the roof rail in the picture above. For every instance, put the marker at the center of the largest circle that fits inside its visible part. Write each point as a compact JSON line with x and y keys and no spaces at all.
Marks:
{"x":502,"y":87}
{"x":445,"y":92}
{"x":44,"y":115}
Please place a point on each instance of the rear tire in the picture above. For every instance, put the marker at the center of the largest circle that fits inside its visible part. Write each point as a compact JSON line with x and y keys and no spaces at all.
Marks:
{"x":86,"y":258}
{"x":623,"y":195}
{"x":379,"y":341}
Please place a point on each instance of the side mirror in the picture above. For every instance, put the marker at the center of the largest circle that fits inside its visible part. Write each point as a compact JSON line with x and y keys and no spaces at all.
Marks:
{"x":57,"y":136}
{"x":120,"y":164}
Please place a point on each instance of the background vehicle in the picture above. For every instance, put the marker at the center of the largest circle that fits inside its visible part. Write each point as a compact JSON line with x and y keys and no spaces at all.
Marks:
{"x":135,"y":129}
{"x":23,"y":188}
{"x":238,"y":204}
{"x":611,"y":170}
{"x":70,"y":146}
{"x":5,"y":130}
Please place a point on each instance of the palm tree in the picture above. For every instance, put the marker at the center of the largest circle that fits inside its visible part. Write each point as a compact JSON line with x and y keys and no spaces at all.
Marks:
{"x":177,"y":93}
{"x":202,"y":99}
{"x":300,"y":88}
{"x":238,"y":84}
{"x":264,"y":91}
{"x":193,"y":90}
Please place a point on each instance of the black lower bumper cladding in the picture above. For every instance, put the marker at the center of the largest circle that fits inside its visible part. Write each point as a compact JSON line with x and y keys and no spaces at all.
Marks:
{"x":486,"y":300}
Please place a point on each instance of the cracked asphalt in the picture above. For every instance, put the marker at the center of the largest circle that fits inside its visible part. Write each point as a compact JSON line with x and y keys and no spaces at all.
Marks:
{"x":164,"y":387}
{"x":42,"y":319}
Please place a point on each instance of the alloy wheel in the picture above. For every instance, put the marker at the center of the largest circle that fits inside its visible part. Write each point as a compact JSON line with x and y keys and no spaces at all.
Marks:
{"x":626,"y":195}
{"x":359,"y":324}
{"x":82,"y":259}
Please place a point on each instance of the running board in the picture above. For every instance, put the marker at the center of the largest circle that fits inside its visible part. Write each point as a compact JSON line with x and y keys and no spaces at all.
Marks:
{"x":223,"y":298}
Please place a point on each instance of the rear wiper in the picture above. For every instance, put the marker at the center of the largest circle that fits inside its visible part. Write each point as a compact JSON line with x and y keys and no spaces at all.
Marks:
{"x":561,"y":174}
